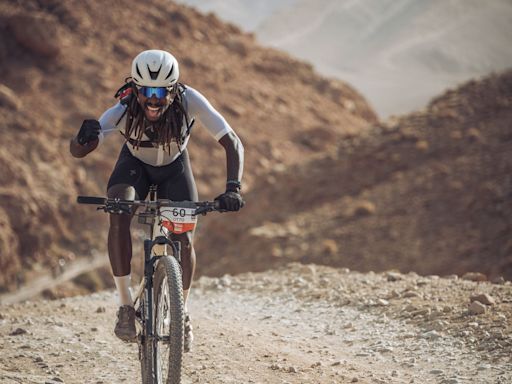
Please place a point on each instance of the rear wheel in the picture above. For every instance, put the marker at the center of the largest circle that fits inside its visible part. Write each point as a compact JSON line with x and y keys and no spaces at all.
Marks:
{"x":165,"y":352}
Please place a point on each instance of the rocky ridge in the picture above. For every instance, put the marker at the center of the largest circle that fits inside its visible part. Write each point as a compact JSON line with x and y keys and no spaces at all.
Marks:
{"x":427,"y":192}
{"x":63,"y":61}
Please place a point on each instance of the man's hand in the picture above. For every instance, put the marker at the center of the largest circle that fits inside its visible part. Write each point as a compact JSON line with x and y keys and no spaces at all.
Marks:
{"x":230,"y":201}
{"x":89,"y":131}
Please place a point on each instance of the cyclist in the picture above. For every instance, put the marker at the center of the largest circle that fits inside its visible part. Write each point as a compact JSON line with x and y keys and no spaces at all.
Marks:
{"x":156,"y":116}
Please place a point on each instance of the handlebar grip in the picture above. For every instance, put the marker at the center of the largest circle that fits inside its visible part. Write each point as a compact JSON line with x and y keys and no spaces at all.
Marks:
{"x":91,"y":200}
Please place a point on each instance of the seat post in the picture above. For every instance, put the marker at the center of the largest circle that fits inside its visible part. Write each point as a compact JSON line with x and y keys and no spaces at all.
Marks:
{"x":153,"y":199}
{"x":152,"y":193}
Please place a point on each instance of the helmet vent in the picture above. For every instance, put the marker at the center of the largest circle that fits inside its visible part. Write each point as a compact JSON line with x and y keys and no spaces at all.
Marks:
{"x":170,"y":72}
{"x":138,"y":71}
{"x":154,"y":75}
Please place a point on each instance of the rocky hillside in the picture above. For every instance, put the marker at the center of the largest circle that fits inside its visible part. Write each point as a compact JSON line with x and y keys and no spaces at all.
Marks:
{"x":63,"y":61}
{"x":429,"y":192}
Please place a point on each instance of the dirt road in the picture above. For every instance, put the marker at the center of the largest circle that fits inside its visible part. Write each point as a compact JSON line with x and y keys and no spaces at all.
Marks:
{"x":49,"y":280}
{"x":301,"y":324}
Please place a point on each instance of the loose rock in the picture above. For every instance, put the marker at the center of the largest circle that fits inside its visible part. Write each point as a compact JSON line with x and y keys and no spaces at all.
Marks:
{"x":382,"y":302}
{"x":18,"y":331}
{"x":393,"y":276}
{"x":476,"y":308}
{"x":474,"y":276}
{"x":432,"y":335}
{"x":498,"y":280}
{"x":292,"y":369}
{"x":483,"y":298}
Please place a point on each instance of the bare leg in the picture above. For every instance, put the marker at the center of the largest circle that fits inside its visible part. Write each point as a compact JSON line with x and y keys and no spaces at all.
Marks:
{"x":188,"y":261}
{"x":120,"y":244}
{"x":188,"y":266}
{"x":119,"y":237}
{"x":120,"y":255}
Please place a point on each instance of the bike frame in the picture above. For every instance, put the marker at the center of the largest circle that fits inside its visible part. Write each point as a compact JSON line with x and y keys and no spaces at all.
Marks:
{"x":144,"y":295}
{"x":159,"y":244}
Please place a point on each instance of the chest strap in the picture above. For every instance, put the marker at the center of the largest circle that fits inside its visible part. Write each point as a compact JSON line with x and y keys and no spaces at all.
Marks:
{"x":142,"y":144}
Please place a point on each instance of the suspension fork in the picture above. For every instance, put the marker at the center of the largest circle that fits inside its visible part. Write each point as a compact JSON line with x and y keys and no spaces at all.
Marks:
{"x":149,"y":267}
{"x":149,"y":271}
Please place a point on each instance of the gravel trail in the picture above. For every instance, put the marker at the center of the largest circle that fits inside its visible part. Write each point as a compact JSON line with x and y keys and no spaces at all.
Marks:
{"x":300,"y":324}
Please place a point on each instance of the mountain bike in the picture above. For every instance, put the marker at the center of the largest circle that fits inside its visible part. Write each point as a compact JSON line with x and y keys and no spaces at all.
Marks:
{"x":159,"y":297}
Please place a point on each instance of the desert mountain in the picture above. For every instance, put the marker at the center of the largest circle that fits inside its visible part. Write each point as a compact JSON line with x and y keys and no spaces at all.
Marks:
{"x":399,"y":53}
{"x":61,"y":62}
{"x":429,"y":192}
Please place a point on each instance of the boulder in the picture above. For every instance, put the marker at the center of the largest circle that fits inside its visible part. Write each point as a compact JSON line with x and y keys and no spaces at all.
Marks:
{"x":36,"y":32}
{"x":474,"y":276}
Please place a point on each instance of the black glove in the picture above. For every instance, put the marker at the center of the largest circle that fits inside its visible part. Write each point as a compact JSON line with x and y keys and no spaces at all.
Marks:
{"x":230,"y":201}
{"x":89,"y":131}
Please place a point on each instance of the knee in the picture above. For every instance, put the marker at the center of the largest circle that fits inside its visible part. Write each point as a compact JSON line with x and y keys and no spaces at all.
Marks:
{"x":122,"y":191}
{"x":120,"y":222}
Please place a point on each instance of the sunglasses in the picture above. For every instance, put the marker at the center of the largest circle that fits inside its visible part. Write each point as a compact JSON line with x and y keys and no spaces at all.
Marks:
{"x":159,"y":92}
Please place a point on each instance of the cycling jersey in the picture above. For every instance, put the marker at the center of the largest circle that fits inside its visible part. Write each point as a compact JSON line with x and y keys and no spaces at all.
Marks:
{"x":196,"y":106}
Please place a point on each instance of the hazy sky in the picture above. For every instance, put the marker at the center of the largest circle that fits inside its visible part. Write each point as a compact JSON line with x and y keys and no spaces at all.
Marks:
{"x":397,"y":53}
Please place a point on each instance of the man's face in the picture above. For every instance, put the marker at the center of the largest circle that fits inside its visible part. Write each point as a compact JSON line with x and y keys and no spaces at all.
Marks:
{"x":154,"y":101}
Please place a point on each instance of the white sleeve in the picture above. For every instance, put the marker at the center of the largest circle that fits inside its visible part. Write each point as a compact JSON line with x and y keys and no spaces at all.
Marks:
{"x":199,"y":107}
{"x":111,"y":119}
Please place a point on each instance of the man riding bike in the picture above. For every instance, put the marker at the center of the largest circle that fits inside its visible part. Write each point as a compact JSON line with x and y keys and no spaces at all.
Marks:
{"x":155,"y":115}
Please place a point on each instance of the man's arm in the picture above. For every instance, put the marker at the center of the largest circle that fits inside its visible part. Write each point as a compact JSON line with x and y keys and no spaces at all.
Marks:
{"x":218,"y":127}
{"x":199,"y":106}
{"x":86,"y":140}
{"x":231,"y":200}
{"x":78,"y":150}
{"x":234,"y":160}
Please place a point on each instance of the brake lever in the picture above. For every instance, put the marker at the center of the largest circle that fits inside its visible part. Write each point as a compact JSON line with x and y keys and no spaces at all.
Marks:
{"x":201,"y":211}
{"x":116,"y":209}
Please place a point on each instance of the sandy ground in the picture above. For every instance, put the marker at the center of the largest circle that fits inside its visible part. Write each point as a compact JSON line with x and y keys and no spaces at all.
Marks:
{"x":299,"y":324}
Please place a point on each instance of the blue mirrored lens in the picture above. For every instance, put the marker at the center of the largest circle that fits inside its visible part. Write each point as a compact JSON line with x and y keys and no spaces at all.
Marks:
{"x":159,"y":92}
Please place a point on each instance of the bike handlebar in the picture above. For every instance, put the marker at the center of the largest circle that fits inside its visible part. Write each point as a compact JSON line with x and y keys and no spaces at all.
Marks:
{"x":91,"y":200}
{"x":119,"y":205}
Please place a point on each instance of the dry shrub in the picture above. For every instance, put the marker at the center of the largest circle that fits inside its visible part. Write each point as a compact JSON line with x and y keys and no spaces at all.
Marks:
{"x":330,"y":247}
{"x":364,"y":208}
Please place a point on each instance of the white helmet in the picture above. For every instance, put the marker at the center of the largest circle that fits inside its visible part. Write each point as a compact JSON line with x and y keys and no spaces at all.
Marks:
{"x":155,"y":68}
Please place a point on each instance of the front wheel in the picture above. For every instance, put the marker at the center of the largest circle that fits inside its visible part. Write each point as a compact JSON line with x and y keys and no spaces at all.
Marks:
{"x":165,"y":350}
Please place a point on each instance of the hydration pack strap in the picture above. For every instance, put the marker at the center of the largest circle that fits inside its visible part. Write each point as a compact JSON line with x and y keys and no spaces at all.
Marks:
{"x":142,"y":144}
{"x":125,"y":90}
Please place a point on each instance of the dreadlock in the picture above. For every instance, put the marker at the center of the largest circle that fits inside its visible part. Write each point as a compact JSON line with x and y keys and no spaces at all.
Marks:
{"x":166,"y":130}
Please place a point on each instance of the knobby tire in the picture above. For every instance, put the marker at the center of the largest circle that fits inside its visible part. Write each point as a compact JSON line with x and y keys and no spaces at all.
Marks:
{"x":161,"y":362}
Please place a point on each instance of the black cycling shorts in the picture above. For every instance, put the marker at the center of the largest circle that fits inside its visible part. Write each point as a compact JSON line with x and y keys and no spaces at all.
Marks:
{"x":174,"y":181}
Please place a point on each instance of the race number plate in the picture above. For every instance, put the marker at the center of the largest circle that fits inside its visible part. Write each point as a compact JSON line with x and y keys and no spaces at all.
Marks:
{"x":177,"y":219}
